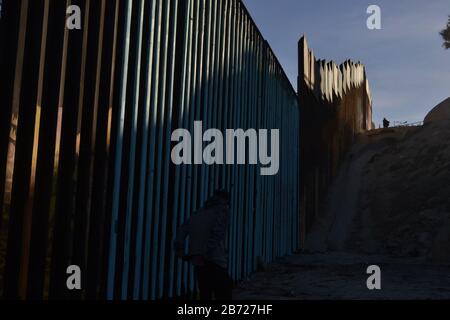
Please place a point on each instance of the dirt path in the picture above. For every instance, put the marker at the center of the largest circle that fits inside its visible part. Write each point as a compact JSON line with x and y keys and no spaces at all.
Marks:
{"x":333,"y":227}
{"x":343,"y":276}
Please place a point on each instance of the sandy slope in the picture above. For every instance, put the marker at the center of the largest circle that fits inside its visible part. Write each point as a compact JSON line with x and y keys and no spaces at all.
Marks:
{"x":389,"y":206}
{"x":405,"y":196}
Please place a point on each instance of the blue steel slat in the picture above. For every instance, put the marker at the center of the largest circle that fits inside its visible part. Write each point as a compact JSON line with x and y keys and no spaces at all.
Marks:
{"x":264,"y":179}
{"x":132,"y":161}
{"x":235,"y":200}
{"x":251,"y":169}
{"x":186,"y":196}
{"x":256,"y":169}
{"x":198,"y":98}
{"x":143,"y":165}
{"x":272,"y":238}
{"x":178,"y":207}
{"x":261,"y":185}
{"x":226,"y":88}
{"x":278,"y":209}
{"x":205,"y":96}
{"x":266,"y":183}
{"x":196,"y":115}
{"x":229,"y":121}
{"x":283,"y":177}
{"x":158,"y":226}
{"x":216,"y":110}
{"x":257,"y":179}
{"x":171,"y":70}
{"x":220,"y":176}
{"x":150,"y":213}
{"x":240,"y":124}
{"x":211,"y":107}
{"x":248,"y":168}
{"x":245,"y":169}
{"x":118,"y":154}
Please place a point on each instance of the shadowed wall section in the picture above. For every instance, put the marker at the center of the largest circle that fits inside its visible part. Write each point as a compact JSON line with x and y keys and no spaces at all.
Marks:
{"x":336,"y":105}
{"x":86,"y":118}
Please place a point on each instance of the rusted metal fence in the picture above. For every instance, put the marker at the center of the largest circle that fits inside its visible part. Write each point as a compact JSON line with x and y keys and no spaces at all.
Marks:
{"x":336,"y":105}
{"x":85,"y":137}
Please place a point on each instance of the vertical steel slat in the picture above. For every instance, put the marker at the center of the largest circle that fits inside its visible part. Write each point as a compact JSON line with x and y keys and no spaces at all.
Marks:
{"x":65,"y":186}
{"x":137,"y":287}
{"x":214,"y":87}
{"x":191,"y":196}
{"x":44,"y":153}
{"x":214,"y":110}
{"x":118,"y":153}
{"x":150,"y":213}
{"x":86,"y":135}
{"x":229,"y":103}
{"x":225,"y":83}
{"x":195,"y":96}
{"x":241,"y":123}
{"x":167,"y":134}
{"x":234,"y":182}
{"x":132,"y":162}
{"x":35,"y":150}
{"x":11,"y":40}
{"x":183,"y":266}
{"x":178,"y":205}
{"x":158,"y":231}
{"x":219,"y":177}
{"x":100,"y":166}
{"x":205,"y":95}
{"x":251,"y":170}
{"x":23,"y":116}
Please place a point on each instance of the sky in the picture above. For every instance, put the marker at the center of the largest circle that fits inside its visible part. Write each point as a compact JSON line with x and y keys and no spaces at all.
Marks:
{"x":407,"y":67}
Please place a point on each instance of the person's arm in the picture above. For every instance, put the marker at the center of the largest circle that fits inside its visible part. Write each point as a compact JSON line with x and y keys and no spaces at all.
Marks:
{"x":182,"y":233}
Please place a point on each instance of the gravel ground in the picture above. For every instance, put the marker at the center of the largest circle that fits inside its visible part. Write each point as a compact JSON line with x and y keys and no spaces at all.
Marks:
{"x":336,"y":276}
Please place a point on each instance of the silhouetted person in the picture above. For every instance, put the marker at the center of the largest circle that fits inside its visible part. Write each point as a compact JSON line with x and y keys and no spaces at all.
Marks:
{"x":207,"y":230}
{"x":386,"y":123}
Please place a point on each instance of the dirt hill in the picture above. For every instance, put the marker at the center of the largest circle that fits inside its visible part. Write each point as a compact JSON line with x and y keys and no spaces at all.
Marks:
{"x":404,"y":201}
{"x":388,"y":206}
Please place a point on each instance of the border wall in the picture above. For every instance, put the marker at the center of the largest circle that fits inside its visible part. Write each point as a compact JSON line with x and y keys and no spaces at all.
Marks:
{"x":85,"y":125}
{"x":336,"y":105}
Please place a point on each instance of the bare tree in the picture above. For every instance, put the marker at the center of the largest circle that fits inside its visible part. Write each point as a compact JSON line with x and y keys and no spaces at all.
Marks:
{"x":446,"y":35}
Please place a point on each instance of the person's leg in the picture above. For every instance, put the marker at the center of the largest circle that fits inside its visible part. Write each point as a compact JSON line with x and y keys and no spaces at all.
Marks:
{"x":204,"y":282}
{"x":222,"y":284}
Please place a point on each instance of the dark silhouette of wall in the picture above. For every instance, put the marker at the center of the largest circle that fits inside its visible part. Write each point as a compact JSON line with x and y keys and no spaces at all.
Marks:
{"x":336,"y":105}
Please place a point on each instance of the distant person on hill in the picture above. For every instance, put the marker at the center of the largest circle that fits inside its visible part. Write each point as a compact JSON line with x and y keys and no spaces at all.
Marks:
{"x":207,"y":230}
{"x":386,"y":123}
